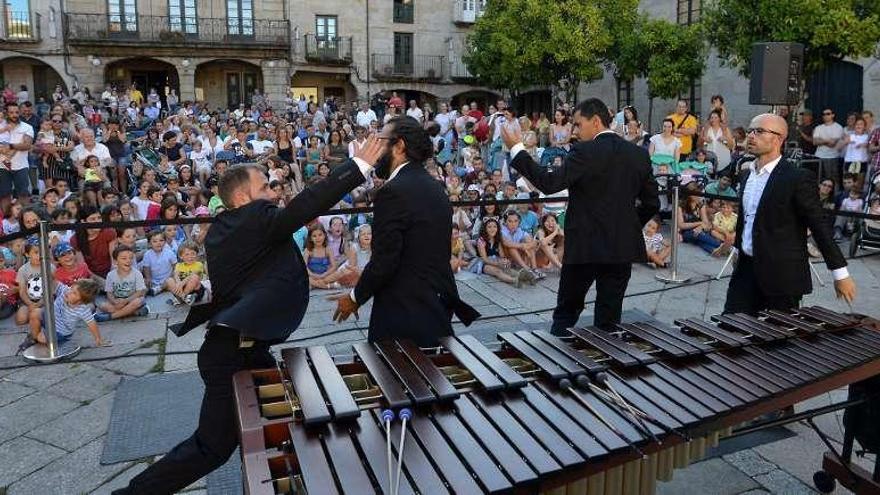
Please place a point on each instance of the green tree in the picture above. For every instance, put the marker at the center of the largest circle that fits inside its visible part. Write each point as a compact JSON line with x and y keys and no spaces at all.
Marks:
{"x":828,"y":29}
{"x":522,"y":43}
{"x":669,"y":56}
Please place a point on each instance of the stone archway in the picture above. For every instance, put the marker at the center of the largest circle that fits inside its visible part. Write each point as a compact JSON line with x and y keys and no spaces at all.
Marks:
{"x":39,"y":77}
{"x":482,"y":97}
{"x":226,"y":83}
{"x":145,"y":73}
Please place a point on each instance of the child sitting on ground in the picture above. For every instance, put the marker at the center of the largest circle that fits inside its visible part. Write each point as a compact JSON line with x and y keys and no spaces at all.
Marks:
{"x":69,"y":269}
{"x":72,"y":305}
{"x":320,"y":263}
{"x":658,"y":250}
{"x":125,"y":288}
{"x":30,"y":284}
{"x":8,"y":290}
{"x":724,"y":224}
{"x":158,"y":263}
{"x":457,"y":261}
{"x":189,"y":273}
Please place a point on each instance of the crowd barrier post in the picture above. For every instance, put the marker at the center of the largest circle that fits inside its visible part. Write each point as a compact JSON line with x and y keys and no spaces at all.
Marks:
{"x":673,"y":277}
{"x":51,"y":352}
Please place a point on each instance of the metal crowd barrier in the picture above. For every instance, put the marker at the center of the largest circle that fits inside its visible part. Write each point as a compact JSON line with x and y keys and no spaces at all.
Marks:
{"x":52,"y":353}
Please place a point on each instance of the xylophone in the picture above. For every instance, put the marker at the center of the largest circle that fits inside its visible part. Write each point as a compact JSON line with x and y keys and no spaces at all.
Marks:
{"x":595,"y":412}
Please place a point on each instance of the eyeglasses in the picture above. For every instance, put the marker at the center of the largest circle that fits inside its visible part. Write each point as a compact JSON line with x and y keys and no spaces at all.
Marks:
{"x":827,"y":113}
{"x":761,"y":130}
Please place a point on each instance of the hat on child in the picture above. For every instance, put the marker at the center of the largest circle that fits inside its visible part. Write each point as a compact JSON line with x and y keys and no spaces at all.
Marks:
{"x":61,"y":249}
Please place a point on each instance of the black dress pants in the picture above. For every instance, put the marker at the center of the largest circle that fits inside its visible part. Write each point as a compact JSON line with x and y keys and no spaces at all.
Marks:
{"x":574,"y":282}
{"x":744,"y":295}
{"x":216,"y":437}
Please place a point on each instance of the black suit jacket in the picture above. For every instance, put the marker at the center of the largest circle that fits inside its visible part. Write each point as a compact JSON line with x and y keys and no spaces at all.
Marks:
{"x":605,"y":177}
{"x":409,"y":275}
{"x":258,"y":276}
{"x":788,"y":207}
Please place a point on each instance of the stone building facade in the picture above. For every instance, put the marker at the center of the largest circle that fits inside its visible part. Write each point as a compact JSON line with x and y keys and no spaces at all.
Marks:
{"x":32,"y":48}
{"x":413,"y":47}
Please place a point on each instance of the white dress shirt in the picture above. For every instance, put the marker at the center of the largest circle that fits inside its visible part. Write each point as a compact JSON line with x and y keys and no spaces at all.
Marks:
{"x":752,"y":193}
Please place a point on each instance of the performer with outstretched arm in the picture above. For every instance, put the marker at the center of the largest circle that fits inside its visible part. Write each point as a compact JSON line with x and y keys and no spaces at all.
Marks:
{"x":261,"y":292}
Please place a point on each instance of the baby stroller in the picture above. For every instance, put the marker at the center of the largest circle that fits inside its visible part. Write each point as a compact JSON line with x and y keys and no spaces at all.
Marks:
{"x":142,"y":158}
{"x":866,"y":232}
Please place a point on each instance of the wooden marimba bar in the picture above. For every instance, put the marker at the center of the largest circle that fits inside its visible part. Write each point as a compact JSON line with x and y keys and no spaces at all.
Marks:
{"x":596,"y":412}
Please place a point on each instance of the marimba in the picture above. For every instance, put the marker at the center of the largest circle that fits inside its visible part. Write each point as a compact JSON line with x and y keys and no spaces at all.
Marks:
{"x":596,"y":412}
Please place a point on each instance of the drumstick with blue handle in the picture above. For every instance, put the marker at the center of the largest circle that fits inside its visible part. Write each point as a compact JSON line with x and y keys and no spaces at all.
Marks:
{"x":404,"y":415}
{"x":387,"y":418}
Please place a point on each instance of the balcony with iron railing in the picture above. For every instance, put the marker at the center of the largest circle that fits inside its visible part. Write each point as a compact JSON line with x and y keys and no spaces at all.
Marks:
{"x":177,"y":31}
{"x":419,"y":67}
{"x":21,"y":27}
{"x":468,"y":11}
{"x":458,"y":70}
{"x":328,"y":50}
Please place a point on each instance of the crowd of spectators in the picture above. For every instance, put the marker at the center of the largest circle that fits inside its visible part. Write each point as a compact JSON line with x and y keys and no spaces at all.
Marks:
{"x":122,"y":155}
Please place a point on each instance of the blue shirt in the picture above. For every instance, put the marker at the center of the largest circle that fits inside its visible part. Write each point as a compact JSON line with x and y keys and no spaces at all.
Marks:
{"x":528,"y":221}
{"x":161,"y":265}
{"x":151,"y":112}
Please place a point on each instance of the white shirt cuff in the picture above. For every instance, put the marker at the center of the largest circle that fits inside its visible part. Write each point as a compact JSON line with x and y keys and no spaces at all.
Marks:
{"x":351,"y":295}
{"x":365,"y":167}
{"x":840,"y":274}
{"x":516,"y":149}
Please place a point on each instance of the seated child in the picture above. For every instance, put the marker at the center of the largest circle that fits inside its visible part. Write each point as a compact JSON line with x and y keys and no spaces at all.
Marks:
{"x":320,"y":262}
{"x":69,"y":269}
{"x":125,"y":288}
{"x":30,"y":284}
{"x":8,"y":291}
{"x":658,"y":250}
{"x":10,"y":218}
{"x":189,"y":274}
{"x":551,"y":239}
{"x":158,"y":263}
{"x":519,"y":245}
{"x":457,"y":261}
{"x":72,"y":305}
{"x":128,"y":237}
{"x":724,"y":224}
{"x":844,"y":225}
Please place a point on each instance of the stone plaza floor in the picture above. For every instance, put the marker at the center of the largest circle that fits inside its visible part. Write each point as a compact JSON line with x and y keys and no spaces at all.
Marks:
{"x":54,"y":419}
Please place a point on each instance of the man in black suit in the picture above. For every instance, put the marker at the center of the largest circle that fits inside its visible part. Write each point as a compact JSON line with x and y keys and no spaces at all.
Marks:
{"x":261,"y":293}
{"x":605,"y":176}
{"x":409,"y":272}
{"x":779,"y":203}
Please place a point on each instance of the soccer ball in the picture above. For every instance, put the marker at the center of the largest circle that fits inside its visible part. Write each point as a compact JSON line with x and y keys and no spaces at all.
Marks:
{"x":35,"y":288}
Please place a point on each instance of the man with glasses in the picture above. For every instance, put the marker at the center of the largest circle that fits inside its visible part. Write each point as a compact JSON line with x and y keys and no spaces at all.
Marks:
{"x":826,"y":137}
{"x":779,"y":204}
